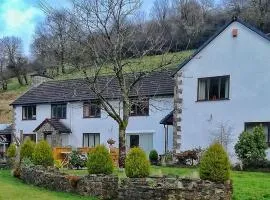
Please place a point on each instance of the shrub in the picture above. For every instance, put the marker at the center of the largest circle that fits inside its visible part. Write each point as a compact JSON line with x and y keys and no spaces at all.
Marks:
{"x":27,"y":149}
{"x":77,"y":160}
{"x":137,"y":165}
{"x":26,"y":162}
{"x":100,"y":161}
{"x":11,"y":152}
{"x":251,"y":146}
{"x":16,"y":172}
{"x":43,"y":154}
{"x":153,"y":157}
{"x":58,"y":164}
{"x":215,"y":164}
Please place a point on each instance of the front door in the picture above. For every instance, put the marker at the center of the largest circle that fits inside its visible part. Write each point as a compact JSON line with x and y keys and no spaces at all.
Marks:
{"x":48,"y":137}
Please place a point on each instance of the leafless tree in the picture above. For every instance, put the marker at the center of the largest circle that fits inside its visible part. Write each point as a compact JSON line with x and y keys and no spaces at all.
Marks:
{"x":16,"y":62}
{"x":108,"y":32}
{"x":223,"y":134}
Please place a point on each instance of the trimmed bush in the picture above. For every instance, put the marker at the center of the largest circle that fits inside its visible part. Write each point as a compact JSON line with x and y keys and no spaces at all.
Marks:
{"x":43,"y":154}
{"x":250,"y":148}
{"x":27,"y":149}
{"x":11,"y":152}
{"x":99,"y":161}
{"x":137,"y":164}
{"x":153,"y":157}
{"x":215,"y":164}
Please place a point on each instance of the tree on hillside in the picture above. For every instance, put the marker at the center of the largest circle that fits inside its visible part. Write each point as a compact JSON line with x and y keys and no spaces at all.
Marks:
{"x":108,"y":31}
{"x":16,"y":62}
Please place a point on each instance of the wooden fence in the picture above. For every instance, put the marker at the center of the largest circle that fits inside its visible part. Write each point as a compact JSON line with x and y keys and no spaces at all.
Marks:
{"x":61,"y":153}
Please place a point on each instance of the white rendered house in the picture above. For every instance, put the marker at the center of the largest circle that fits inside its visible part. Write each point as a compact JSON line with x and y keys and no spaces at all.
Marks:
{"x":223,"y":88}
{"x":67,"y":113}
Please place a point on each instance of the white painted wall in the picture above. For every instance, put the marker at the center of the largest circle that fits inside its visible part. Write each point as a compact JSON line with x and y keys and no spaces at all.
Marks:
{"x":247,"y":60}
{"x":107,"y":127}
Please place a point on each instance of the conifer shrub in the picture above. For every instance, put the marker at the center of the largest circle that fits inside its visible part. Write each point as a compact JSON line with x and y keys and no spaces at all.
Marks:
{"x":215,"y":164}
{"x":43,"y":154}
{"x":99,"y":161}
{"x":11,"y":151}
{"x":153,"y":157}
{"x":27,"y":149}
{"x":137,"y":165}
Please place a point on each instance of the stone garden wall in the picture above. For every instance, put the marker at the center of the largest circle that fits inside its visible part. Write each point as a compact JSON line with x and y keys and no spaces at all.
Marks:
{"x":172,"y":189}
{"x":110,"y":187}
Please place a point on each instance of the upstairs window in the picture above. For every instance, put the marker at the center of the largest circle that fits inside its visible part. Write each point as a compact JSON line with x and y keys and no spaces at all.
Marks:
{"x":91,"y":109}
{"x":59,"y":111}
{"x":29,"y":112}
{"x":213,"y":88}
{"x":139,"y":107}
{"x":249,"y":126}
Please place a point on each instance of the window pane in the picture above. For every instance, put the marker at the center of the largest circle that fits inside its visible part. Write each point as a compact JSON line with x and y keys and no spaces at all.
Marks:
{"x":202,"y":89}
{"x":64,"y":111}
{"x":86,"y":108}
{"x":214,"y":89}
{"x":224,"y":87}
{"x":97,"y":139}
{"x":85,"y":140}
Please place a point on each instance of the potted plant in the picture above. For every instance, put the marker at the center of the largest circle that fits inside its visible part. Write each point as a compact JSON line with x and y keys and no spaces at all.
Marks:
{"x":111,"y":142}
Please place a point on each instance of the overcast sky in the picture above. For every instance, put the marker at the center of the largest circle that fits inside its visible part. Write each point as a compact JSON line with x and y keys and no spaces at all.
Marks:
{"x":19,"y":17}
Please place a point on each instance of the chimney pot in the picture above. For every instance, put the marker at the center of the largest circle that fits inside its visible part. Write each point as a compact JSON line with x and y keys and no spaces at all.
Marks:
{"x":235,"y":32}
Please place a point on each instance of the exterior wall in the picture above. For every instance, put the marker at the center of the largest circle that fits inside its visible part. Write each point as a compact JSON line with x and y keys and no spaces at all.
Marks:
{"x":246,"y":59}
{"x":107,"y":127}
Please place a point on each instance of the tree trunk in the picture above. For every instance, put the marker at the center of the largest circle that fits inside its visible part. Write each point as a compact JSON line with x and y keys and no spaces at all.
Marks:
{"x":122,"y":146}
{"x":20,"y":79}
{"x":4,"y":85}
{"x":25,"y":79}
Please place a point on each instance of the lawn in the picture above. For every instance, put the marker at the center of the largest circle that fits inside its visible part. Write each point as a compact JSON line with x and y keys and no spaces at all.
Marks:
{"x":246,"y":185}
{"x":13,"y":189}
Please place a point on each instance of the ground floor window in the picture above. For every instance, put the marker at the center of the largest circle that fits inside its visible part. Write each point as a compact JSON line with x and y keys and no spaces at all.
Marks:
{"x":134,"y":141}
{"x":31,"y":136}
{"x":91,"y":139}
{"x":249,"y":126}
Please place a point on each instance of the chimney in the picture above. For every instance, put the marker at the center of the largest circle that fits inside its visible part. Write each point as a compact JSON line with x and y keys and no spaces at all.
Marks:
{"x":235,"y":32}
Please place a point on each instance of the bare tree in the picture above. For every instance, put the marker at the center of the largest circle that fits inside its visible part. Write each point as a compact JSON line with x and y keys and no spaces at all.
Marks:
{"x":223,"y":134}
{"x":17,"y":63}
{"x":108,"y":32}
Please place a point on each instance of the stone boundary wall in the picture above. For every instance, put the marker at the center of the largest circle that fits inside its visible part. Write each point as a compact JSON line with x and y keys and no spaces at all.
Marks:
{"x":101,"y":186}
{"x":173,"y":189}
{"x":110,"y":187}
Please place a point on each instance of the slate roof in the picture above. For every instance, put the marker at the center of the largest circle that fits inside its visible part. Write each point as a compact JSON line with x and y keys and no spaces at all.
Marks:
{"x":5,"y":129}
{"x":56,"y":124}
{"x":234,"y":19}
{"x":153,"y":84}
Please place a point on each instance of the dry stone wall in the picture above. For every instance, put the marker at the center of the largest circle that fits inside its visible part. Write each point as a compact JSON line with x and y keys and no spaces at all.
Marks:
{"x":110,"y":187}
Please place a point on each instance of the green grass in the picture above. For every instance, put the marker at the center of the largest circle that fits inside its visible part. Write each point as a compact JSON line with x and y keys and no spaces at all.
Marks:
{"x":11,"y":189}
{"x":246,"y":185}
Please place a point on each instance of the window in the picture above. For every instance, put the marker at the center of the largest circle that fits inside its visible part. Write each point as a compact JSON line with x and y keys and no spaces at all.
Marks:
{"x":59,"y":111}
{"x":249,"y":126}
{"x":139,"y":107}
{"x":31,"y":136}
{"x":29,"y":112}
{"x":91,"y":139}
{"x":91,"y":109}
{"x":213,"y":88}
{"x":134,"y":141}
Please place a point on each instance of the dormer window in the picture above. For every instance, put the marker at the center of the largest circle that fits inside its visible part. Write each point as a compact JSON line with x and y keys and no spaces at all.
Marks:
{"x":213,"y":88}
{"x":29,"y":112}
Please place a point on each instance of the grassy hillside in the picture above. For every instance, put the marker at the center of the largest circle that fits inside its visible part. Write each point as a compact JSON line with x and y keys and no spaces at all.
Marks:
{"x":146,"y":64}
